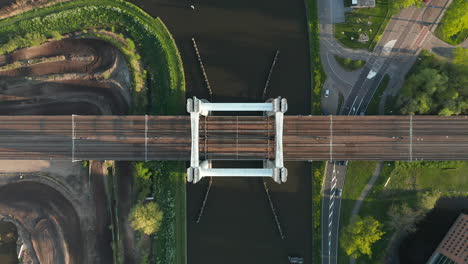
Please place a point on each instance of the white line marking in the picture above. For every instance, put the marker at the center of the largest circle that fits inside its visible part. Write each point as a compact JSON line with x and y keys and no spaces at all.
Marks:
{"x":331,"y":137}
{"x":73,"y":138}
{"x":146,"y":137}
{"x":411,"y":138}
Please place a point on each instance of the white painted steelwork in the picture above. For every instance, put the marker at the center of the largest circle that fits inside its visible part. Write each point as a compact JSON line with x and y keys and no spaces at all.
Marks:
{"x":197,"y":170}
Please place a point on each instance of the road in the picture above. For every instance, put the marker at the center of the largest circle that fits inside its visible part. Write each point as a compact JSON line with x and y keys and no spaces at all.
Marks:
{"x":395,"y":53}
{"x":331,"y":203}
{"x":243,"y":138}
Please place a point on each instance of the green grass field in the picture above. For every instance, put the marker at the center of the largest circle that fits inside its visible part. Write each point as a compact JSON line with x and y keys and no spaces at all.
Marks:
{"x":371,"y":21}
{"x":419,"y":176}
{"x":357,"y":176}
{"x":405,"y":180}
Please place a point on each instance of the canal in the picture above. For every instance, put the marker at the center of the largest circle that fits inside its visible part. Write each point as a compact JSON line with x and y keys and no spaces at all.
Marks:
{"x":237,"y":41}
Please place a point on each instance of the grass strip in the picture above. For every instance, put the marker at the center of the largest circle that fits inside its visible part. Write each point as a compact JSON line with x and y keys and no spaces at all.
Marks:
{"x":318,"y":177}
{"x":318,"y":78}
{"x":373,"y":108}
{"x":349,"y":64}
{"x":165,"y":181}
{"x":357,"y":176}
{"x":318,"y":75}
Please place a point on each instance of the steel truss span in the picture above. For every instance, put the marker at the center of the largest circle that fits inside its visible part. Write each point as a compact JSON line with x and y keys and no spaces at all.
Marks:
{"x":408,"y":138}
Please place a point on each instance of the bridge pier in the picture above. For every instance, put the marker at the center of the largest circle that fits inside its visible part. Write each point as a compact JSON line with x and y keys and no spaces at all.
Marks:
{"x":274,"y":169}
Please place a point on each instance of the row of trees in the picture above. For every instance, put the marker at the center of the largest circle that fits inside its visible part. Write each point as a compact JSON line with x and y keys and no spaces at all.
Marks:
{"x":436,"y":87}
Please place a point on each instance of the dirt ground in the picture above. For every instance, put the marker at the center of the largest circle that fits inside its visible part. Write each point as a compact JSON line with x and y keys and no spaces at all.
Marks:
{"x":237,"y":41}
{"x":62,"y":213}
{"x":42,"y":211}
{"x":68,"y":82}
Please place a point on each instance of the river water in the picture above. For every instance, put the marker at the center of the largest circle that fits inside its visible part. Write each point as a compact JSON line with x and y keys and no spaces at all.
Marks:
{"x":237,"y":41}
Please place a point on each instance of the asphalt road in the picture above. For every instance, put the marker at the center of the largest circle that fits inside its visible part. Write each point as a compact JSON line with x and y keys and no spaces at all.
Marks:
{"x":331,"y":204}
{"x":245,"y":138}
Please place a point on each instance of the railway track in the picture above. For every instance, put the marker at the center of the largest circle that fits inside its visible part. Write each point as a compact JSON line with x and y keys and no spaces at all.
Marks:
{"x":243,"y":138}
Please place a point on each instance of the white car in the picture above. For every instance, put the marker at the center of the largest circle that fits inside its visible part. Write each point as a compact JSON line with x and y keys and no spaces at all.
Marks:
{"x":327,"y":93}
{"x":295,"y":260}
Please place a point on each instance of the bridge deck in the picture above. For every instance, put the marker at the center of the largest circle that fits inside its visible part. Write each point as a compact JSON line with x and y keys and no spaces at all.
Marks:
{"x":168,"y":137}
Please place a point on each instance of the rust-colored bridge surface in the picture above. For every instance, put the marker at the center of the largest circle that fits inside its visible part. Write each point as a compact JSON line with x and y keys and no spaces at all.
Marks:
{"x":169,"y":137}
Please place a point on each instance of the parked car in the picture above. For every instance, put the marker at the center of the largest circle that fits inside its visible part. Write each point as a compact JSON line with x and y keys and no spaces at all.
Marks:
{"x":327,"y":93}
{"x":338,"y":192}
{"x":295,"y":260}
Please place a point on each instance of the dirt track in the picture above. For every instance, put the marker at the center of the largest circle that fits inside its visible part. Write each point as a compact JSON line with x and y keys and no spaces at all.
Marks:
{"x":42,"y":210}
{"x":62,"y":78}
{"x":64,"y":82}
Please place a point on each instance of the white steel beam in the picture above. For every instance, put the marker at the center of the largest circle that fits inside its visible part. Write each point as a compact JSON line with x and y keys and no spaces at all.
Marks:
{"x":197,"y":170}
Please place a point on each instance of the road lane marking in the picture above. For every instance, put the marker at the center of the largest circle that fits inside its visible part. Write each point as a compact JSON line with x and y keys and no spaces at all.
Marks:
{"x":146,"y":137}
{"x":73,"y":138}
{"x":331,"y":138}
{"x":411,"y":138}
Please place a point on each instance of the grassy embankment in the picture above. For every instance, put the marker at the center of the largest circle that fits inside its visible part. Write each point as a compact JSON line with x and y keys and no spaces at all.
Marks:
{"x":318,"y":75}
{"x":453,"y":27}
{"x":318,"y":78}
{"x":357,"y":176}
{"x":371,"y":21}
{"x":373,"y":107}
{"x":349,"y":64}
{"x":165,"y":93}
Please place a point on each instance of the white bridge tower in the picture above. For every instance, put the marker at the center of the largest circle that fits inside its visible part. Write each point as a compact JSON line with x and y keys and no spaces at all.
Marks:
{"x":274,"y":169}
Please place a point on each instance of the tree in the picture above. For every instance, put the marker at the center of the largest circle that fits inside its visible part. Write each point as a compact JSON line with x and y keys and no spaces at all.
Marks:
{"x":460,"y":57}
{"x":146,"y":217}
{"x":403,"y":218}
{"x":358,"y":237}
{"x":427,"y":200}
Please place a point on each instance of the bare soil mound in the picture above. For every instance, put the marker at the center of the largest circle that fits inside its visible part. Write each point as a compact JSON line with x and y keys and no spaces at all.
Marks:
{"x":63,"y":77}
{"x":70,"y":76}
{"x":50,"y":219}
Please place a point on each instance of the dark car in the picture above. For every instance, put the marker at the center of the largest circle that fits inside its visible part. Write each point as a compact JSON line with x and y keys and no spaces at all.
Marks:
{"x":295,"y":260}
